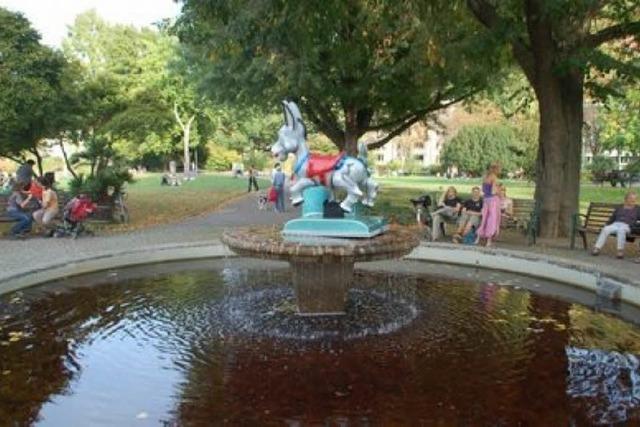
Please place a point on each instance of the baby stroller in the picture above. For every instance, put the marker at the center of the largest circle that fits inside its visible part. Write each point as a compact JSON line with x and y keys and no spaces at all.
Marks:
{"x":422,"y":209}
{"x":75,"y":213}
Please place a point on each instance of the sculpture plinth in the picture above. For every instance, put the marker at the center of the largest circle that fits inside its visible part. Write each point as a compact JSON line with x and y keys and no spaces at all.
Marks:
{"x":322,"y":268}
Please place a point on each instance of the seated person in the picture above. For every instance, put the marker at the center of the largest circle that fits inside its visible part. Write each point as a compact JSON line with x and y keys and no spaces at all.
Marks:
{"x":506,"y":204}
{"x":49,"y":209}
{"x":447,"y":209}
{"x":619,"y":223}
{"x":17,"y":209}
{"x":470,"y":215}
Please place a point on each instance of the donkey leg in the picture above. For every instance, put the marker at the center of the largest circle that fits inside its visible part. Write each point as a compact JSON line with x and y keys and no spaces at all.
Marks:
{"x":372,"y":192}
{"x":353,"y":191}
{"x":297,"y":188}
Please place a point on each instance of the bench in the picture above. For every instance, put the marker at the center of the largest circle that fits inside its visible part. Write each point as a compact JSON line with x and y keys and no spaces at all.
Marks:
{"x":63,"y":198}
{"x":597,"y":216}
{"x":526,"y":217}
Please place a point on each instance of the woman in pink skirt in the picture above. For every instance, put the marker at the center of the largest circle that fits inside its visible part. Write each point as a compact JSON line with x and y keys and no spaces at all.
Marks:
{"x":490,"y":224}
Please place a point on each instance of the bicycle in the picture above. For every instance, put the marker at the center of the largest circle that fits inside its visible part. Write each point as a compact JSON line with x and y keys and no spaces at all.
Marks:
{"x":422,"y":209}
{"x":120,"y":210}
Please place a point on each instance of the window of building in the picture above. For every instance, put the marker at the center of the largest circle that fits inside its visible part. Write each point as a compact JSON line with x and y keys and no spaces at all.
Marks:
{"x":419,"y":157}
{"x":380,"y":157}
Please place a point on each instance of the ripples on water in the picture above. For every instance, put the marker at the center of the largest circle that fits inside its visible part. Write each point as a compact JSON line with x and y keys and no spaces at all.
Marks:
{"x":219,"y":342}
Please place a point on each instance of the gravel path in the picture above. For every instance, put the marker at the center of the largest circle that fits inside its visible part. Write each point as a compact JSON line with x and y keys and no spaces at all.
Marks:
{"x":18,"y":257}
{"x":38,"y":253}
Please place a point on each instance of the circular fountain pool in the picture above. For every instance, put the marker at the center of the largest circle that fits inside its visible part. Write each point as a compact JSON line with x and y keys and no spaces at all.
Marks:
{"x":218,"y":341}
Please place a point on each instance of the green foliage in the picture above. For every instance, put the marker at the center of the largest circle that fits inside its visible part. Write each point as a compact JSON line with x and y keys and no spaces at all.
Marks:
{"x":30,"y":77}
{"x":101,"y":186}
{"x":620,"y":121}
{"x":352,"y":66}
{"x":221,"y":158}
{"x":260,"y":160}
{"x":600,"y":166}
{"x":475,"y":147}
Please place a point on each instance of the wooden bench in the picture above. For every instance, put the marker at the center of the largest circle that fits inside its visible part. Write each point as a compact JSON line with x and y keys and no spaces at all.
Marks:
{"x":526,"y":217}
{"x":597,"y":216}
{"x":63,"y":198}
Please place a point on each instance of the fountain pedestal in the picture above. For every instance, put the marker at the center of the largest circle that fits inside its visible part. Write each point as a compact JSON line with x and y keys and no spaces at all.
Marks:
{"x":321,"y":288}
{"x":322,"y":268}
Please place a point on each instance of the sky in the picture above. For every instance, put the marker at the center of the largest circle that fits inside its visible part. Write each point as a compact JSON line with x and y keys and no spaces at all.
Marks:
{"x":52,"y":17}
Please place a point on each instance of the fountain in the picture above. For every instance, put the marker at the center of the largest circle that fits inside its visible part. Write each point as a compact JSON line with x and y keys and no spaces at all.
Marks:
{"x":322,"y":250}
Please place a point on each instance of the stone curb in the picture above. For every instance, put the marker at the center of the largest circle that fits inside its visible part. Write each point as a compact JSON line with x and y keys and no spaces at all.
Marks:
{"x":574,"y":273}
{"x":558,"y":269}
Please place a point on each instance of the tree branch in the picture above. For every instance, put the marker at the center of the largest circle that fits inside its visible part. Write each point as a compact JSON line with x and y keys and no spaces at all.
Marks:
{"x":177,"y":114}
{"x":612,"y":33}
{"x":66,"y":158}
{"x":488,"y":16}
{"x":325,"y":122}
{"x":410,"y":121}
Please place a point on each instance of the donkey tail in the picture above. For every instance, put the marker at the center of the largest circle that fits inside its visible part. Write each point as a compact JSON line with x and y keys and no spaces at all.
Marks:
{"x":362,"y":151}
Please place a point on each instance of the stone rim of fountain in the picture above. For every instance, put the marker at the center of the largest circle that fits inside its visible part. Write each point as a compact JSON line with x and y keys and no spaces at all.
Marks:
{"x":268,"y":243}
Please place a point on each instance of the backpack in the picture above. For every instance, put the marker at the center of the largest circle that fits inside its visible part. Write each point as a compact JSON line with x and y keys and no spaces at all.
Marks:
{"x":470,"y":238}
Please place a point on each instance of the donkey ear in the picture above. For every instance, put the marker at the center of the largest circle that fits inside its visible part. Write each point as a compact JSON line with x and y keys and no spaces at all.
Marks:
{"x":288,"y":115}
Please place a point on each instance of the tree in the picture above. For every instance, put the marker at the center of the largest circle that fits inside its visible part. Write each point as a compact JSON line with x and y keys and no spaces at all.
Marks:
{"x":620,"y":121}
{"x":353,"y":67}
{"x":475,"y":147}
{"x":560,"y":45}
{"x":30,"y":77}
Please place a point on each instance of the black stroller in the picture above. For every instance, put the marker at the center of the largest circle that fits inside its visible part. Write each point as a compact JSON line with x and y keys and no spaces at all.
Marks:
{"x":422,"y":209}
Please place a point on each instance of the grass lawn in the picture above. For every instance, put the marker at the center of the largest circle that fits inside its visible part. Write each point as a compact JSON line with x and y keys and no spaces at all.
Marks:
{"x":395,"y":193}
{"x":150,"y":203}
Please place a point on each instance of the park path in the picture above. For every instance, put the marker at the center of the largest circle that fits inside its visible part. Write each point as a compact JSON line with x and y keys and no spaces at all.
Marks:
{"x":38,"y":253}
{"x":20,"y":257}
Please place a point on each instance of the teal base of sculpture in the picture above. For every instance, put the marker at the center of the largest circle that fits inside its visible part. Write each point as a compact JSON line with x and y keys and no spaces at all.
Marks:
{"x":312,"y":223}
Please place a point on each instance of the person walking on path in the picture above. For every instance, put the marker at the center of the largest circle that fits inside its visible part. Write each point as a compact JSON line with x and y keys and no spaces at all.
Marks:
{"x":278,"y":183}
{"x":16,"y":209}
{"x":252,"y":180}
{"x":490,"y":225}
{"x":50,"y":208}
{"x":620,"y":223}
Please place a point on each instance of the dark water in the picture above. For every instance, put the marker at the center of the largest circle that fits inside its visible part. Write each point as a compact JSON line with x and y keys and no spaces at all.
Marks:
{"x":219,"y":343}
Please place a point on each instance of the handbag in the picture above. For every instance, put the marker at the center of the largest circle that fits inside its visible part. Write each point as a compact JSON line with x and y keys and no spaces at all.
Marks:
{"x":332,"y":209}
{"x":272,"y":195}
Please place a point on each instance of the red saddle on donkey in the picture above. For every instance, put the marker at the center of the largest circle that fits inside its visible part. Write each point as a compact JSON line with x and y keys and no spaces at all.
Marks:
{"x":321,"y":164}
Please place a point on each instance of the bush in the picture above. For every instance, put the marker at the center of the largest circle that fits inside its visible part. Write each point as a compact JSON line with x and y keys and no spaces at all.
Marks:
{"x":102,"y":186}
{"x":221,"y":158}
{"x":600,"y":167}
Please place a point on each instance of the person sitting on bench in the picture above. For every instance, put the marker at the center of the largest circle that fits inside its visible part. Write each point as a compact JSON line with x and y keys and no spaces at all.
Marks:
{"x":620,"y":223}
{"x":448,"y":209}
{"x":470,"y":215}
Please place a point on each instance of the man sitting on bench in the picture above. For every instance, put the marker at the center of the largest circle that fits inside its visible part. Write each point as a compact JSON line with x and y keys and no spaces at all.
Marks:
{"x":470,"y":215}
{"x":620,"y":223}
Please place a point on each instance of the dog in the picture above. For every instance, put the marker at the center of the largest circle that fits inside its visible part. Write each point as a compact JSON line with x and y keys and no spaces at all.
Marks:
{"x":263,"y":201}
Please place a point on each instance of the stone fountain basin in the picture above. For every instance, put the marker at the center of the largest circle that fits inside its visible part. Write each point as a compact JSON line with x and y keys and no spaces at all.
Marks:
{"x":269,"y":243}
{"x":322,"y":267}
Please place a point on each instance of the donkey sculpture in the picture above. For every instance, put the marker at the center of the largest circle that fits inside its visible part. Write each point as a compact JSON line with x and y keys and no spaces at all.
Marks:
{"x":335,"y":171}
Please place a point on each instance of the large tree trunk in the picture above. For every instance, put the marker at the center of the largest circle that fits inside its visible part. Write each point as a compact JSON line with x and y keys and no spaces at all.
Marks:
{"x":351,"y":133}
{"x":35,"y":152}
{"x":559,"y":152}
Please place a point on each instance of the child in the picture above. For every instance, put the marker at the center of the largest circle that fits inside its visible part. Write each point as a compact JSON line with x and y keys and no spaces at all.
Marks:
{"x":448,"y":208}
{"x":470,"y":215}
{"x":490,"y":224}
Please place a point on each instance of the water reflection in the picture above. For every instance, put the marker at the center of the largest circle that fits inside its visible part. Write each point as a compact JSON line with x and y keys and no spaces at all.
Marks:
{"x":159,"y":351}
